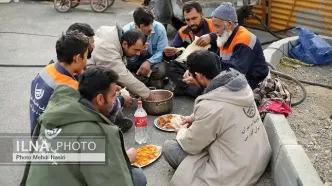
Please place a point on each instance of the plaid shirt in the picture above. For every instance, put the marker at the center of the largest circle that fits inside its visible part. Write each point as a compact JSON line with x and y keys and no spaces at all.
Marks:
{"x":272,"y":88}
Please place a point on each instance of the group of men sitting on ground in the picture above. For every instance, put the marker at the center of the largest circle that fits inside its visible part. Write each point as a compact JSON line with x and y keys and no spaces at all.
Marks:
{"x":223,"y":142}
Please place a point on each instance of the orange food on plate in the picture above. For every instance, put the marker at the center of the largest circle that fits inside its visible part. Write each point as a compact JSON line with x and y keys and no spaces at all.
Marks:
{"x":165,"y":122}
{"x":169,"y":126}
{"x":161,"y":121}
{"x":169,"y":117}
{"x":145,"y":154}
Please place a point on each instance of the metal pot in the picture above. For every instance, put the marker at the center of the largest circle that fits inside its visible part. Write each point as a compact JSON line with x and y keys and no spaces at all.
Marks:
{"x":163,"y":103}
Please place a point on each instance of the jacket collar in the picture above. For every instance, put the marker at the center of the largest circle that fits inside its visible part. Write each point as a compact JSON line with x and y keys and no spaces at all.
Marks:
{"x":90,"y":106}
{"x":153,"y":28}
{"x":120,"y":33}
{"x":231,"y":79}
{"x":230,"y":39}
{"x":63,"y":71}
{"x":87,"y":103}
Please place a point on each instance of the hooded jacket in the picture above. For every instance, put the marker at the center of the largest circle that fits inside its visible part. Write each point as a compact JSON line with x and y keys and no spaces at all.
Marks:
{"x":227,"y":142}
{"x":108,"y":53}
{"x":71,"y":115}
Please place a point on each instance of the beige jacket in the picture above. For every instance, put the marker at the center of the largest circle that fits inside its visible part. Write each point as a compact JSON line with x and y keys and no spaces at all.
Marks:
{"x":108,"y":53}
{"x":227,"y":141}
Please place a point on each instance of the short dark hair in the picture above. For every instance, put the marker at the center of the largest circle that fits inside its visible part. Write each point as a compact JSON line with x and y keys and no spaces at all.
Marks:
{"x":132,"y":36}
{"x":204,"y":62}
{"x":96,"y":80}
{"x":71,"y":44}
{"x":143,"y":15}
{"x":188,"y":6}
{"x":82,"y":27}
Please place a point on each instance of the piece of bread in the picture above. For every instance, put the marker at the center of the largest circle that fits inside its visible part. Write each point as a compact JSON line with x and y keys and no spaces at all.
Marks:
{"x":125,"y":92}
{"x":176,"y":121}
{"x":190,"y":49}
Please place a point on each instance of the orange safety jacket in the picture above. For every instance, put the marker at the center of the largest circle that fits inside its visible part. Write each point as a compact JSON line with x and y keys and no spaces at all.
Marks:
{"x":42,"y":88}
{"x":244,"y":53}
{"x":242,"y":36}
{"x":185,"y":35}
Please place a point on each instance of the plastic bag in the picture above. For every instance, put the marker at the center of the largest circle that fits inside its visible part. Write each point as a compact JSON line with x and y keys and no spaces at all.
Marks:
{"x":311,"y":48}
{"x":275,"y":106}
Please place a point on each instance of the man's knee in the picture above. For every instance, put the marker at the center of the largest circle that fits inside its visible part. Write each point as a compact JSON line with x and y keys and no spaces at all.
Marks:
{"x":169,"y":147}
{"x":173,"y":153}
{"x":161,"y":72}
{"x":139,"y":178}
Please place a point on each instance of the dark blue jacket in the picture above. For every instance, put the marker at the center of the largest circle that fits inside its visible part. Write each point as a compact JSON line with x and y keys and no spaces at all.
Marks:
{"x":43,"y":86}
{"x":243,"y":52}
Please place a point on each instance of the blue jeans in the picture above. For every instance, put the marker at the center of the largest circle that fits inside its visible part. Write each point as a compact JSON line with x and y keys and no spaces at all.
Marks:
{"x":173,"y":153}
{"x":138,"y":177}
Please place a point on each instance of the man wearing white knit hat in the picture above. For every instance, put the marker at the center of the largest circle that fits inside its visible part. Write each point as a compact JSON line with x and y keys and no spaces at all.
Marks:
{"x":239,"y":48}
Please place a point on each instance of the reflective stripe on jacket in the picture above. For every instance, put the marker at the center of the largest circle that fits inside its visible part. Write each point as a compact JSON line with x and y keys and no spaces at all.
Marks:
{"x":242,"y":36}
{"x":244,"y":52}
{"x":42,"y":88}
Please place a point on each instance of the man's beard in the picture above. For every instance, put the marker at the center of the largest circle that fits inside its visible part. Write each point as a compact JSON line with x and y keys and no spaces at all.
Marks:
{"x":221,"y":40}
{"x":197,"y":29}
{"x":89,"y":54}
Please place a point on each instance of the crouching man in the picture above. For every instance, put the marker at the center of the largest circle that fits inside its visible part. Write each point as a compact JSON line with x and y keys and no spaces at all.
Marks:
{"x":224,"y":142}
{"x":149,"y":67}
{"x":79,"y":114}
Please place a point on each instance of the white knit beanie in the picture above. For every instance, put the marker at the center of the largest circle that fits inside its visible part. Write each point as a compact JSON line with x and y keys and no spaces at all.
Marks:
{"x":226,"y":11}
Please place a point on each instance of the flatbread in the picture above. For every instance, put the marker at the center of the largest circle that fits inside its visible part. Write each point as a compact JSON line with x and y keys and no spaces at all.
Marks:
{"x":125,"y":92}
{"x":190,"y":49}
{"x":176,"y":121}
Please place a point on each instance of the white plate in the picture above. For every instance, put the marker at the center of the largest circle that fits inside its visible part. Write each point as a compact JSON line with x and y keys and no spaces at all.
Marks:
{"x":164,"y":129}
{"x":154,"y":159}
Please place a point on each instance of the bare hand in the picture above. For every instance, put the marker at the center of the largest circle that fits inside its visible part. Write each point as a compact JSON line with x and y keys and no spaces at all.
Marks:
{"x":188,"y":78}
{"x":187,"y":121}
{"x":144,"y":69}
{"x":186,"y":74}
{"x":181,"y":127}
{"x":204,"y":40}
{"x":128,"y":101}
{"x":132,"y":153}
{"x":170,"y":51}
{"x":118,"y":88}
{"x":146,"y":46}
{"x":151,"y":97}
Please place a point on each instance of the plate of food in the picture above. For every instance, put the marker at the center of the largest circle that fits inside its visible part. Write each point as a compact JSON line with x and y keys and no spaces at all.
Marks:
{"x":146,"y":155}
{"x":168,"y":122}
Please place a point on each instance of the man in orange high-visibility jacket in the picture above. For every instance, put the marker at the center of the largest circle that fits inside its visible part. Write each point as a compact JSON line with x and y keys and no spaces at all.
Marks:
{"x":197,"y":26}
{"x":239,"y":48}
{"x":72,"y":52}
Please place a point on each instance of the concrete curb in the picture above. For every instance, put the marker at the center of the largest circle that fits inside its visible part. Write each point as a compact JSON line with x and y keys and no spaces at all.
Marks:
{"x":290,"y":164}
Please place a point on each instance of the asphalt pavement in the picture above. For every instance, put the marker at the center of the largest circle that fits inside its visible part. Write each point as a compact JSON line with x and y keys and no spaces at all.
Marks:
{"x":28,"y":32}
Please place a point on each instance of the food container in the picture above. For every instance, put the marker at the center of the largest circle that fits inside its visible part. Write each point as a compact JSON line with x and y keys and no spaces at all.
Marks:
{"x":162,"y":104}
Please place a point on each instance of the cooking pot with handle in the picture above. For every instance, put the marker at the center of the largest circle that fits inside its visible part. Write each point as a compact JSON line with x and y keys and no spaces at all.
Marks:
{"x":162,"y":104}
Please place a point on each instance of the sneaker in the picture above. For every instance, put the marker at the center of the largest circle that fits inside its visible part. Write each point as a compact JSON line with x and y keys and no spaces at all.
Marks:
{"x":123,"y":123}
